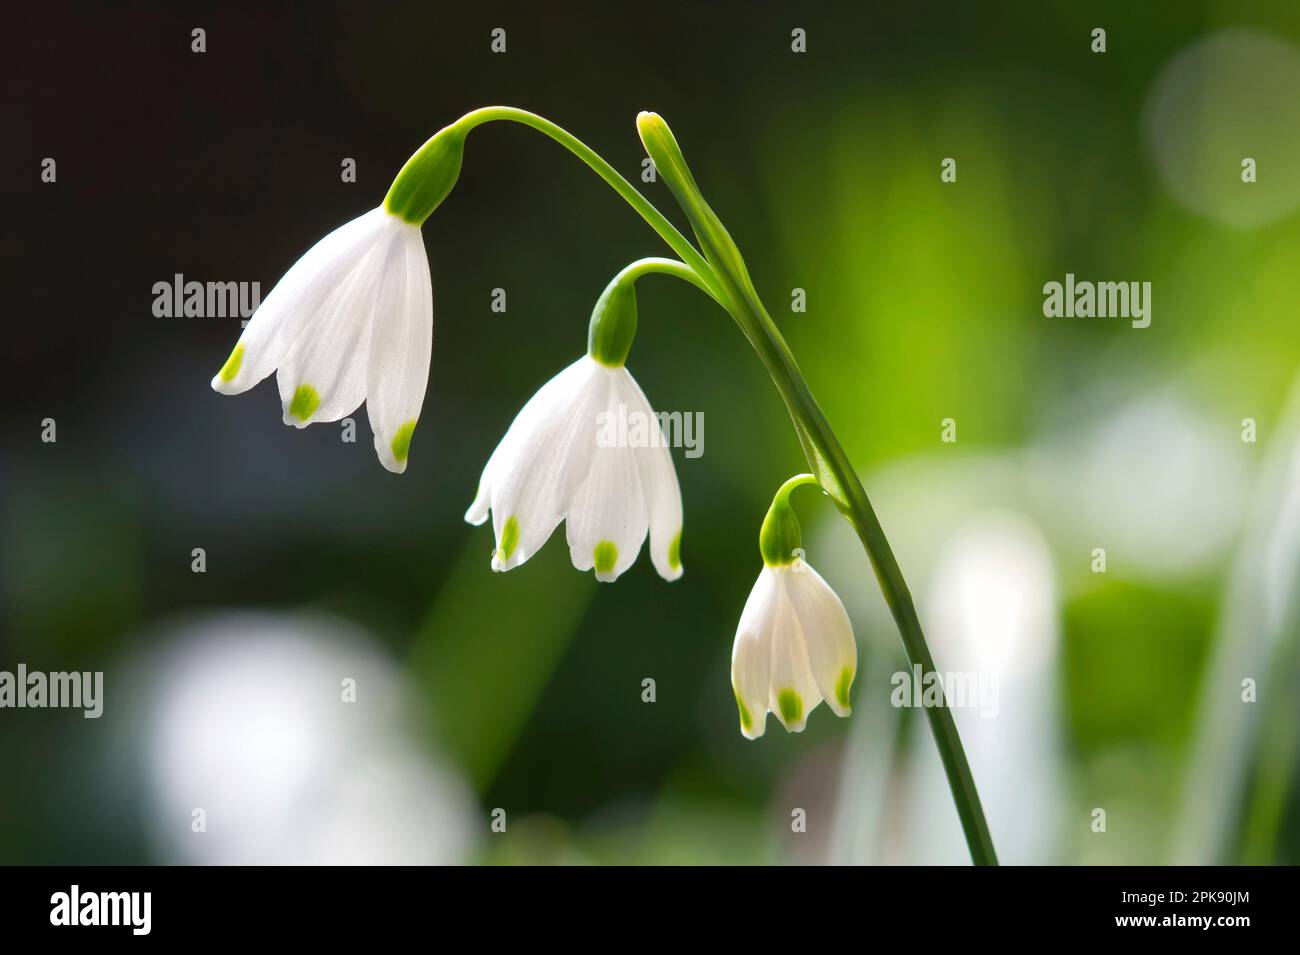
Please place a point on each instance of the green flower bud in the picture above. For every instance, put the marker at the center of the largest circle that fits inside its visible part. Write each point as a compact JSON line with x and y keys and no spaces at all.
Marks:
{"x":780,"y":536}
{"x":613,"y":322}
{"x":428,"y":176}
{"x":719,"y":248}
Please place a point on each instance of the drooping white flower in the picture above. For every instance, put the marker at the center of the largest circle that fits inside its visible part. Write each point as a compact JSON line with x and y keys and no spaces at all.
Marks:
{"x":794,"y":645}
{"x":558,"y":462}
{"x":351,"y":321}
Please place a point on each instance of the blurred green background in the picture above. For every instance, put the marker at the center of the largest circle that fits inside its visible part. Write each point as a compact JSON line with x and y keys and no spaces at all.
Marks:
{"x":1119,"y":691}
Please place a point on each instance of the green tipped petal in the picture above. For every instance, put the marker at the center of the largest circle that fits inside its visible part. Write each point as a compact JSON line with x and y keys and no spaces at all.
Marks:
{"x":842,"y":687}
{"x":509,"y":537}
{"x":675,"y":552}
{"x":305,"y":402}
{"x":402,"y":440}
{"x":746,"y":721}
{"x":791,"y":706}
{"x":605,"y":557}
{"x":231,"y":368}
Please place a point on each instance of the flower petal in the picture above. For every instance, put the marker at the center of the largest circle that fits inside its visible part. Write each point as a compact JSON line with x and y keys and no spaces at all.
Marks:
{"x":295,"y":302}
{"x":542,"y":460}
{"x":482,"y":503}
{"x":401,"y":341}
{"x":323,"y":378}
{"x":607,"y":522}
{"x":827,"y":634}
{"x":751,"y":656}
{"x":794,"y":693}
{"x":663,"y":495}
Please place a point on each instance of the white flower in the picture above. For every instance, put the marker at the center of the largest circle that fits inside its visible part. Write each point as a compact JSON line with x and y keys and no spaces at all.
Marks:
{"x":551,"y":466}
{"x":352,"y":321}
{"x":794,"y":648}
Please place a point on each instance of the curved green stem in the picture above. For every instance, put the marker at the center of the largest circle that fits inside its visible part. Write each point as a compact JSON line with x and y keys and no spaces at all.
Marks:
{"x":653,"y":265}
{"x":783,"y":493}
{"x":724,"y":276}
{"x":780,"y":538}
{"x":837,"y":476}
{"x":667,"y":231}
{"x":614,"y":319}
{"x":825,"y":455}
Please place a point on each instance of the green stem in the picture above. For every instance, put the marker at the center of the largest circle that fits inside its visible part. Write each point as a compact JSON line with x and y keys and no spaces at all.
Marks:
{"x":614,"y":319}
{"x":826,"y":456}
{"x":781,"y":537}
{"x":653,"y":265}
{"x":667,"y":231}
{"x":783,"y":493}
{"x":839,"y":479}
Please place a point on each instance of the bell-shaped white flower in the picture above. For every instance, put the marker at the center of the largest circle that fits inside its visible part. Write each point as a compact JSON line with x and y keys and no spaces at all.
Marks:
{"x":351,"y":321}
{"x":794,"y":645}
{"x":562,"y":460}
{"x":794,"y":648}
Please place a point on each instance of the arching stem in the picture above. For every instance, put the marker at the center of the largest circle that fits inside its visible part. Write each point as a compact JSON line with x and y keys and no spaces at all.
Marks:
{"x":724,"y":276}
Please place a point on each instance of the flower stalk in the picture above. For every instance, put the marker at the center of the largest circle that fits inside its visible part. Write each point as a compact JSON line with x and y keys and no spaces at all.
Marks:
{"x":720,"y":271}
{"x":614,"y":319}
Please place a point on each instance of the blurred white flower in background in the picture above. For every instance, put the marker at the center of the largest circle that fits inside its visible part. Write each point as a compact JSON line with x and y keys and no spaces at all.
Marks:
{"x":988,"y":594}
{"x":1159,"y":482}
{"x":1229,"y":96}
{"x":992,"y":615}
{"x":1258,"y":614}
{"x":244,"y":717}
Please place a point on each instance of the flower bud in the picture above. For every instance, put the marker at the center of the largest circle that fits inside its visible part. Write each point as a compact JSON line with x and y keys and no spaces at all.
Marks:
{"x":719,"y":248}
{"x":613,"y":322}
{"x":780,"y":537}
{"x":428,"y":176}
